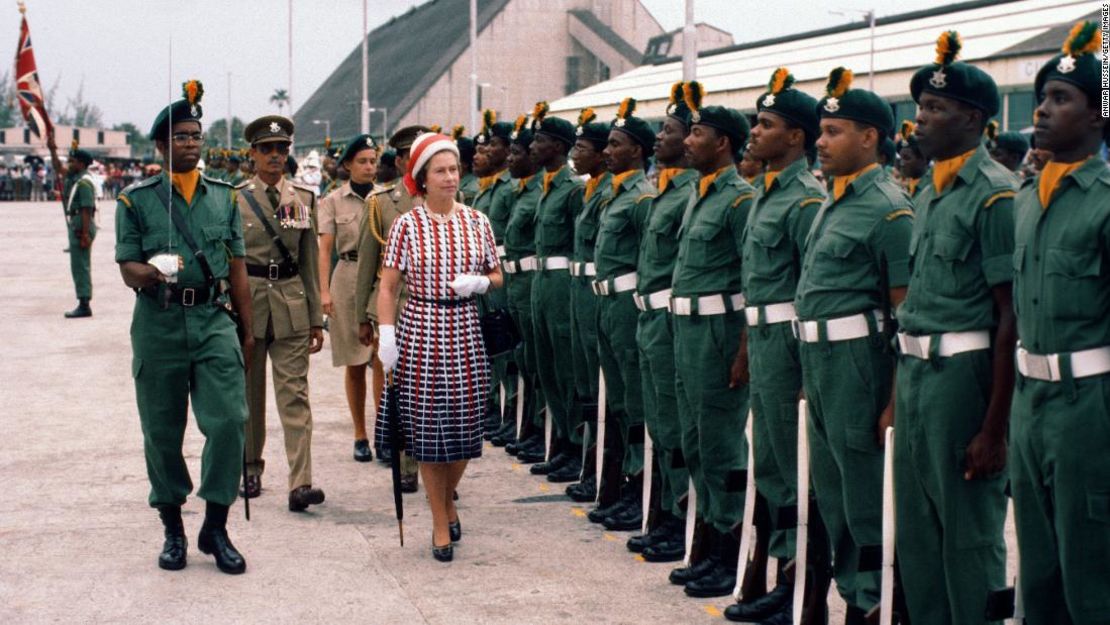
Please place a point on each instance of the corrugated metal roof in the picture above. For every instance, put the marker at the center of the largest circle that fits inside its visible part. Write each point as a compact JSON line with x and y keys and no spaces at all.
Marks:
{"x":988,"y":29}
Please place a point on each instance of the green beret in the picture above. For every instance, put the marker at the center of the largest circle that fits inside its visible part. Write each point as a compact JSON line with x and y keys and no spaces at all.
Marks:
{"x":519,"y":132}
{"x":677,"y":109}
{"x":640,"y":131}
{"x":859,"y":105}
{"x":888,"y":151}
{"x":1077,"y":64}
{"x":1012,"y":141}
{"x":234,"y":157}
{"x":463,"y":143}
{"x":730,"y":122}
{"x":906,"y":137}
{"x":389,"y":159}
{"x":492,"y":128}
{"x":594,"y":132}
{"x":269,"y":129}
{"x":956,"y":80}
{"x":83,"y":156}
{"x":553,"y":127}
{"x":403,"y":138}
{"x":187,"y":109}
{"x":787,"y":102}
{"x":356,"y":145}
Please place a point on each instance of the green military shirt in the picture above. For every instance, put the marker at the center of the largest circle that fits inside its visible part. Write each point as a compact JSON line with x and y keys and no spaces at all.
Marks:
{"x":659,"y":244}
{"x":468,"y":187}
{"x":1062,"y":262}
{"x":144,"y":228}
{"x":709,"y":251}
{"x":586,"y":222}
{"x":774,"y":237}
{"x":622,"y":221}
{"x":559,"y":204}
{"x":520,"y":232}
{"x":962,"y":245}
{"x":78,"y":192}
{"x":852,"y":241}
{"x":496,"y":202}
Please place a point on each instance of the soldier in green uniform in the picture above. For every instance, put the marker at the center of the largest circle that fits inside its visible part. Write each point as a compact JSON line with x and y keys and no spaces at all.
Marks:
{"x":956,"y":340}
{"x":615,"y":254}
{"x":559,"y":204}
{"x":854,"y":274}
{"x":1060,"y":430}
{"x":912,"y":163}
{"x":520,"y":266}
{"x":184,"y":343}
{"x":774,"y":239}
{"x":708,"y":310}
{"x":234,"y":175}
{"x":468,"y":183}
{"x":383,"y":206}
{"x":214,"y":164}
{"x":1008,"y":148}
{"x":279,"y":231}
{"x":591,"y":137}
{"x":79,"y":195}
{"x":655,"y":335}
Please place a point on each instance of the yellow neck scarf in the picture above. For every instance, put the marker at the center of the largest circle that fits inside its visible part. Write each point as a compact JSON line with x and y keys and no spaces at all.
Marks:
{"x":487,"y":181}
{"x":186,"y":184}
{"x":548,"y":176}
{"x":911,"y":185}
{"x":524,"y":182}
{"x":1051,"y":176}
{"x":707,"y":181}
{"x":840,"y":183}
{"x":944,"y":172}
{"x":591,"y":186}
{"x":618,"y":179}
{"x":768,"y":178}
{"x":666,"y":175}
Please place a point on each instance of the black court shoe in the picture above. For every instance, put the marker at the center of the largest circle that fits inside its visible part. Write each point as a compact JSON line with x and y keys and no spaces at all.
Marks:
{"x":456,"y":531}
{"x":443,"y":554}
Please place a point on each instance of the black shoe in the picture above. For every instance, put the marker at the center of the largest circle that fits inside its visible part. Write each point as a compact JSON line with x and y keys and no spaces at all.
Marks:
{"x":82,"y":310}
{"x":658,"y":534}
{"x":517,"y":446}
{"x":785,"y":616}
{"x":505,"y":434}
{"x":456,"y":531}
{"x":718,"y":583}
{"x":176,"y":546}
{"x":569,"y":472}
{"x":764,"y":607}
{"x":301,"y":497}
{"x":665,"y":551}
{"x":531,"y":456}
{"x":362,"y":451}
{"x":583,"y":491}
{"x":215,"y":542}
{"x":685,"y":575}
{"x":409,"y":483}
{"x":443,"y":554}
{"x":599,"y":514}
{"x":252,"y":488}
{"x":630,"y":519}
{"x":558,"y":462}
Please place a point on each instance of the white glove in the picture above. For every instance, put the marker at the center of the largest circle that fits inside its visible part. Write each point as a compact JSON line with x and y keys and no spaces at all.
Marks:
{"x":467,"y":284}
{"x":168,"y":265}
{"x":387,"y":348}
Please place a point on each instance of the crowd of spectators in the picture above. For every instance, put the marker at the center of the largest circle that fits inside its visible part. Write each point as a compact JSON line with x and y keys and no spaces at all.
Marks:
{"x":34,"y":181}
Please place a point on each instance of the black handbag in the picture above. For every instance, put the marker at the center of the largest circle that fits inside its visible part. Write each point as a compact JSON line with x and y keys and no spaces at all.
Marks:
{"x":499,"y":332}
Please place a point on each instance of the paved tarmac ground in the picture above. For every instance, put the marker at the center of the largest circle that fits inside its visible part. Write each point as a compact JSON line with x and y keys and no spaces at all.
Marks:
{"x":79,"y":542}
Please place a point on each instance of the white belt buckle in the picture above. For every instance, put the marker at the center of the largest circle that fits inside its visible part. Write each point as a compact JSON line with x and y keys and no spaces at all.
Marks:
{"x":641,"y":303}
{"x":188,"y":297}
{"x":916,"y":346}
{"x":274,"y":271}
{"x":1042,"y":367}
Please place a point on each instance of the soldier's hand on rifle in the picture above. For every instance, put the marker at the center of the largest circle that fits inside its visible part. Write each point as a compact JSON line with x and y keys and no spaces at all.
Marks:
{"x":315,"y":339}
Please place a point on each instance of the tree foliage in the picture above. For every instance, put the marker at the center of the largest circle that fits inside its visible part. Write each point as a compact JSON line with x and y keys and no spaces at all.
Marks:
{"x":216,"y":134}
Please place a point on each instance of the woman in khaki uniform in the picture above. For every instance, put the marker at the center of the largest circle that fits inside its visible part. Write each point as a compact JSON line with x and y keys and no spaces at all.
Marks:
{"x":340,"y":214}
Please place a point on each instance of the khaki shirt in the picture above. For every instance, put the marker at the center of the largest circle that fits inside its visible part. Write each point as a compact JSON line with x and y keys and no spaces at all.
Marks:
{"x":341,"y":214}
{"x":383,"y":206}
{"x":291,"y":305}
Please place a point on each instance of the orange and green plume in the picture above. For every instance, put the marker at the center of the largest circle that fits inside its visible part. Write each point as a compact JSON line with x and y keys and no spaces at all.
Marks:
{"x":458,"y":131}
{"x":781,"y":79}
{"x":676,"y":93}
{"x":991,"y":130}
{"x":693,"y":93}
{"x":489,"y":118}
{"x":840,"y":80}
{"x":435,"y":128}
{"x":192,"y":91}
{"x":906,"y":131}
{"x":586,"y":116}
{"x":539,"y":111}
{"x":948,"y":47}
{"x":520,"y":121}
{"x":627,"y":107}
{"x":1084,"y":38}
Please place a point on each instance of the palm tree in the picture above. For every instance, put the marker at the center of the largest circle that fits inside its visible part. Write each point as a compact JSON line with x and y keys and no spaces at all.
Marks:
{"x":280,"y":98}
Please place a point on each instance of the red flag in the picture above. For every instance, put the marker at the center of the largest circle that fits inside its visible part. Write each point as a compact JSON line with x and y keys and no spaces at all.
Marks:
{"x":31,"y":101}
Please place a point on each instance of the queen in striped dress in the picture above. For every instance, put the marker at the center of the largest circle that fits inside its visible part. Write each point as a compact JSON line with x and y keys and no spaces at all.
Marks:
{"x":445,"y":253}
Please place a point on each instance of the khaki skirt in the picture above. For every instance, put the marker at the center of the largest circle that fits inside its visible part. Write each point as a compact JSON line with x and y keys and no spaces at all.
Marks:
{"x":346,"y":351}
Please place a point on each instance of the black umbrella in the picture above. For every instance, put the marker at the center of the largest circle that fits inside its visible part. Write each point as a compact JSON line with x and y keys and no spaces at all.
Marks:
{"x":393,"y":413}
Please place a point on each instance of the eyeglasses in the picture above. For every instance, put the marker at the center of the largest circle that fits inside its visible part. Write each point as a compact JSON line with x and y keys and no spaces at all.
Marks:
{"x":266,"y":148}
{"x":181,"y":138}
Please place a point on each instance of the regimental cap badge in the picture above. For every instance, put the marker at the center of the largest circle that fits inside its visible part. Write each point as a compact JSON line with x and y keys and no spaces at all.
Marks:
{"x":518,"y":126}
{"x":671,"y":108}
{"x":626,"y":108}
{"x":1084,"y":38}
{"x":275,"y":127}
{"x":1066,"y":65}
{"x":769,"y":101}
{"x":939,"y":79}
{"x":579,"y":131}
{"x":369,"y":140}
{"x":832,"y":105}
{"x":620,"y":122}
{"x":840,"y":80}
{"x":781,"y":80}
{"x":949,"y":45}
{"x":481,"y":138}
{"x":692,"y":93}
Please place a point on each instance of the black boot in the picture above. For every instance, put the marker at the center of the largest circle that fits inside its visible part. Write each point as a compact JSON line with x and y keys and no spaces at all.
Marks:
{"x":176,"y":546}
{"x":82,"y":310}
{"x":766,"y":606}
{"x":214,"y":540}
{"x":583,"y":491}
{"x":572,"y":469}
{"x":702,"y":554}
{"x":672,"y":546}
{"x":602,"y":512}
{"x":660,"y":532}
{"x":722,"y":579}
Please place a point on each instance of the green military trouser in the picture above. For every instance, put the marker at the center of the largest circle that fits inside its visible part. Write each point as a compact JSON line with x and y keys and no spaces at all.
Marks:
{"x":714,"y":442}
{"x":1060,"y":475}
{"x":183,"y":355}
{"x":499,"y":366}
{"x":583,"y":338}
{"x":519,"y":294}
{"x":80,"y":265}
{"x":847,"y":385}
{"x":551,"y":314}
{"x":951,"y":550}
{"x":655,"y":338}
{"x":620,"y":360}
{"x":776,"y":380}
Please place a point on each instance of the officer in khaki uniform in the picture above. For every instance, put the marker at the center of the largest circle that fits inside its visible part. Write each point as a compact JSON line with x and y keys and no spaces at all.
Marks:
{"x":655,"y":333}
{"x":280,"y":235}
{"x":383,"y":206}
{"x":615,"y":254}
{"x":774,"y":238}
{"x":1060,"y":425}
{"x":591,"y":138}
{"x":707,"y":305}
{"x":184,"y":343}
{"x":956,"y":342}
{"x":854,"y":274}
{"x":79,"y":195}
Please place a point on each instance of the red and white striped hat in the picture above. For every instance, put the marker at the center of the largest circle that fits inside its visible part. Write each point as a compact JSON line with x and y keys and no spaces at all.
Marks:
{"x":424,"y":147}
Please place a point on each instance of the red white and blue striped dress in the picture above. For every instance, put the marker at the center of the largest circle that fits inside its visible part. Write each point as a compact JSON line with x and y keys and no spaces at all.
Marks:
{"x":443,"y":373}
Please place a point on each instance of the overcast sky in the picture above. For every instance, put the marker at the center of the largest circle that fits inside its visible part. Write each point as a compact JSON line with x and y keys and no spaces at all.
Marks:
{"x":118,"y":50}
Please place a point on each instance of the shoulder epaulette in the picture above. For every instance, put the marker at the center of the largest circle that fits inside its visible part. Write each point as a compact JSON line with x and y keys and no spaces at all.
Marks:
{"x":142,"y":184}
{"x":241,"y":185}
{"x":998,"y":196}
{"x":743,"y":196}
{"x":123,"y":199}
{"x":806,"y":201}
{"x":218,"y":181}
{"x":304,"y":187}
{"x":997,"y":174}
{"x":894,"y":193}
{"x":901,"y":212}
{"x":646,"y":196}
